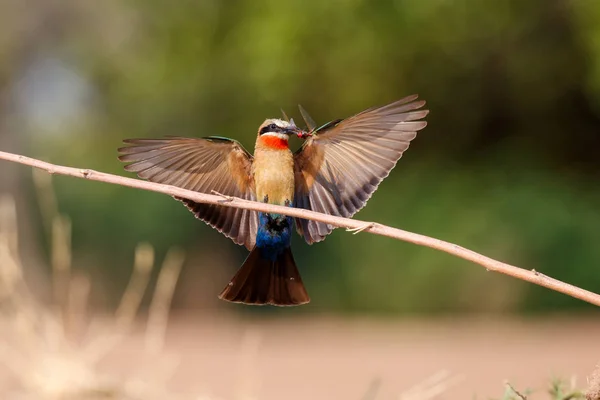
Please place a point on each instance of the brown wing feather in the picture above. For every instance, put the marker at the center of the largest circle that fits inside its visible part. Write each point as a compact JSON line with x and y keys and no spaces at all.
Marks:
{"x":201,"y":165}
{"x":338,"y":169}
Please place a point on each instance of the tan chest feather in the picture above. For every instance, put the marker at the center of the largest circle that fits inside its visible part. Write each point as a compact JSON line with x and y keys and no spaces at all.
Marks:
{"x":274,"y":175}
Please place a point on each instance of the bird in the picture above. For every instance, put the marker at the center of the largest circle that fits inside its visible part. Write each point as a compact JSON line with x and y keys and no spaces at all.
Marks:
{"x":335,"y":171}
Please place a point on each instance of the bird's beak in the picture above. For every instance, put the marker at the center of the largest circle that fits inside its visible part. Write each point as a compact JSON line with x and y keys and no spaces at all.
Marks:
{"x":294,"y":130}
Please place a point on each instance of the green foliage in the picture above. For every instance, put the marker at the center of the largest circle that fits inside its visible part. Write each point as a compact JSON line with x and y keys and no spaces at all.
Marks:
{"x":558,"y":390}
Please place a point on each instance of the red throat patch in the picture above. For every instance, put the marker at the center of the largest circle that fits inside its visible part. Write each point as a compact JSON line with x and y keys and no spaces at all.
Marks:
{"x":274,"y":142}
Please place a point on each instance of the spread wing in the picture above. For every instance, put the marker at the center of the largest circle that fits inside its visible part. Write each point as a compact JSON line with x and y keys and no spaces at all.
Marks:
{"x":340,"y":166}
{"x":201,"y":165}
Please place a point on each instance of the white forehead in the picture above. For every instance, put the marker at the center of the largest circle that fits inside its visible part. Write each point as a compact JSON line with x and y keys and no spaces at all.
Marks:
{"x":279,"y":122}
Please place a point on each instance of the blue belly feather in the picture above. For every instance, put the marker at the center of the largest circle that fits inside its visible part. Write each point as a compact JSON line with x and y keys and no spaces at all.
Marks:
{"x":274,"y":234}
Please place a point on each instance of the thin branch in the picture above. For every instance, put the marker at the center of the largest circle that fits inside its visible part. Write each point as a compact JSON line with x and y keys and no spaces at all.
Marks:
{"x":350,"y":224}
{"x":515,"y":391}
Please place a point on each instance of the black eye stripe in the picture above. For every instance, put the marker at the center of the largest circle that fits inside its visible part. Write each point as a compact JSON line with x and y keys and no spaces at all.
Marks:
{"x":270,"y":128}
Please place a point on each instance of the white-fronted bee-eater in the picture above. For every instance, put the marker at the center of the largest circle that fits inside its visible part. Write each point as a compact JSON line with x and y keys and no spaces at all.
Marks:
{"x":337,"y":169}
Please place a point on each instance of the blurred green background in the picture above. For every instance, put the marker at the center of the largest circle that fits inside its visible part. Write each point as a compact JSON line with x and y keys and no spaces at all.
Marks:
{"x":508,"y":165}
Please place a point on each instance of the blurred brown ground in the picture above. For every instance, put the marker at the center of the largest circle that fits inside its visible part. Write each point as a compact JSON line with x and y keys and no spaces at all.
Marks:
{"x":333,"y":358}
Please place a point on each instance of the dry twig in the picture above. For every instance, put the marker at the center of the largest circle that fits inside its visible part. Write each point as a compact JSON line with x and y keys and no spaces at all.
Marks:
{"x":515,"y":391}
{"x":375,"y":228}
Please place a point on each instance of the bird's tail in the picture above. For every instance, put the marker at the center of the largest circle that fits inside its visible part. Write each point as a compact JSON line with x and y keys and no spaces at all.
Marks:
{"x":261,"y":281}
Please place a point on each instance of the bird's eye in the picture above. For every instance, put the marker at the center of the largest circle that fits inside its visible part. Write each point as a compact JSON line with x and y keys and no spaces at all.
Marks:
{"x":273,"y":127}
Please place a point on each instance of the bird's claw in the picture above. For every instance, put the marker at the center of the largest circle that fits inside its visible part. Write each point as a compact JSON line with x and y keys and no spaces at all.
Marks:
{"x":360,"y":228}
{"x":226,"y":199}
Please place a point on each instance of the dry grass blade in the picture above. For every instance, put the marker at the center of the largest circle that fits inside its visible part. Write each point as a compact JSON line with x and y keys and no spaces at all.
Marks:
{"x":8,"y":223}
{"x":46,"y":197}
{"x":61,"y":258}
{"x":10,"y":272}
{"x":161,"y":301}
{"x":373,"y":390}
{"x":77,"y":300}
{"x":431,"y":387}
{"x":132,"y":298}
